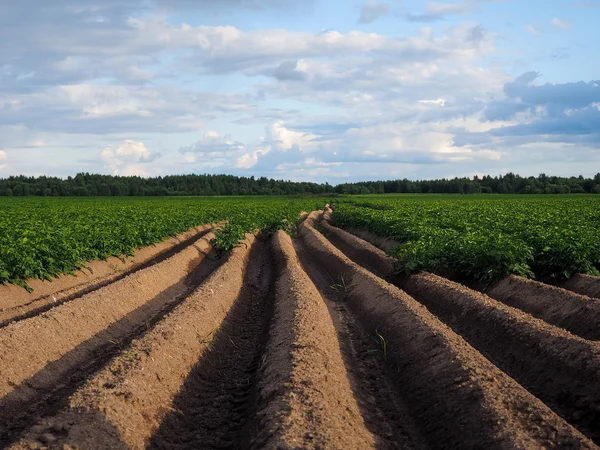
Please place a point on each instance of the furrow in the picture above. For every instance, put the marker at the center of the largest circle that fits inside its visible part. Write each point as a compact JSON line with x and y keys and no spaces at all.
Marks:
{"x":584,"y":285}
{"x":575,"y":306}
{"x":125,"y":403}
{"x":357,"y":249}
{"x":382,"y":406}
{"x":576,"y":313}
{"x":17,"y":304}
{"x":458,"y":397}
{"x":49,"y":352}
{"x":214,"y":407}
{"x":561,"y":369}
{"x":376,"y":242}
{"x":304,"y":397}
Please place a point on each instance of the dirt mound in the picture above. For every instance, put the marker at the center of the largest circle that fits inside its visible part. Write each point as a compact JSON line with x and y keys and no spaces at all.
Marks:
{"x":41,"y":354}
{"x":306,"y":399}
{"x":459,"y":397}
{"x":358,"y":249}
{"x":134,"y":391}
{"x":16,"y":303}
{"x":561,"y":369}
{"x":384,"y":243}
{"x":584,"y":285}
{"x":576,"y":313}
{"x":288,"y":343}
{"x":382,"y":404}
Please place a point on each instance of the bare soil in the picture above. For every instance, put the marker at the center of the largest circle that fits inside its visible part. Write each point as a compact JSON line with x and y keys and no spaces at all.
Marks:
{"x":48,"y":352}
{"x":17,"y":303}
{"x":288,"y":343}
{"x":558,"y":367}
{"x":561,"y":369}
{"x":574,"y":312}
{"x":384,"y":243}
{"x":213,"y":407}
{"x":134,"y":392}
{"x":458,"y":397}
{"x":357,"y":249}
{"x":385,"y":411}
{"x":584,"y":285}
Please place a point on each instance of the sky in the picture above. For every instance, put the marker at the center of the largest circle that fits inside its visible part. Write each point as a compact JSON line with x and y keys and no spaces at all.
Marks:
{"x":303,"y":90}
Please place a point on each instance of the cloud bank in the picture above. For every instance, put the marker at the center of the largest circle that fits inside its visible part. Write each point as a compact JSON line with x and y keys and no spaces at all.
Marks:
{"x":156,"y":87}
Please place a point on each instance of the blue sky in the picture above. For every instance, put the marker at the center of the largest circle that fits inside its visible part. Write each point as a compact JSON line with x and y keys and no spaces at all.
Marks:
{"x":300,"y":89}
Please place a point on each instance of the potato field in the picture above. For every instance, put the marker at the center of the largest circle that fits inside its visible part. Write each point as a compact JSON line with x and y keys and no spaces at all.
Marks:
{"x":383,"y":322}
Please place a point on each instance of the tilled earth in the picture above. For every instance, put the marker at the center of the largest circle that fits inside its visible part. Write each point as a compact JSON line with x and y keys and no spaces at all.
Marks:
{"x":305,"y":342}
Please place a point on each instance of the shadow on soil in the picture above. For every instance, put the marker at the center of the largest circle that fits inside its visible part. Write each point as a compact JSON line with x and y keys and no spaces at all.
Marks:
{"x":94,"y":287}
{"x":47,"y":391}
{"x":215,"y":406}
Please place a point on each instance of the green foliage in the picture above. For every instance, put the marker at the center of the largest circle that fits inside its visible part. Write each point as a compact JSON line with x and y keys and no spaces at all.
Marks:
{"x":46,"y":237}
{"x":94,"y":185}
{"x":484,"y":238}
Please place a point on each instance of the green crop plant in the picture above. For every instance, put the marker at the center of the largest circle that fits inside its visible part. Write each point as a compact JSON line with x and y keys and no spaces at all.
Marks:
{"x":43,"y":238}
{"x":483,"y":238}
{"x":381,"y":343}
{"x":340,"y":286}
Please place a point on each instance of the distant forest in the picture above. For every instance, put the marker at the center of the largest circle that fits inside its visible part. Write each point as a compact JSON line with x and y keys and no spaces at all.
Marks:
{"x":89,"y":185}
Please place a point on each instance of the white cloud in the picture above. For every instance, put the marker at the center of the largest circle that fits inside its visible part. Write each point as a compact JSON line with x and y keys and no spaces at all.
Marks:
{"x":290,"y":70}
{"x":362,"y":104}
{"x":532,"y":30}
{"x":435,"y":11}
{"x":438,"y":11}
{"x":136,"y":74}
{"x":3,"y":158}
{"x":103,"y":109}
{"x":277,"y":141}
{"x":248,"y":160}
{"x":438,"y":102}
{"x":128,"y":158}
{"x":212,"y":151}
{"x":561,"y":23}
{"x":213,"y":144}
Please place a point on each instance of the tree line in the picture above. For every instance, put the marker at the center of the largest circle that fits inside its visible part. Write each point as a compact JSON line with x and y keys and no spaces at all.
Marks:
{"x":91,"y":185}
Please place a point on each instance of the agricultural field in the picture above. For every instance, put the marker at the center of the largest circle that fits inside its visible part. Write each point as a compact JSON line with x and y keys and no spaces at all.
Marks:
{"x":249,"y":323}
{"x":484,"y":237}
{"x":43,"y":238}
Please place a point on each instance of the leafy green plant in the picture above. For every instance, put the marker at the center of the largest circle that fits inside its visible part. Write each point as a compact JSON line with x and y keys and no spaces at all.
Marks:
{"x":45,"y":238}
{"x":483,"y":238}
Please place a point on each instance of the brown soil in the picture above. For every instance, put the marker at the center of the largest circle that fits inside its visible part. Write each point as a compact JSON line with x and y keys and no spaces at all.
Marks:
{"x":290,"y":344}
{"x":213,"y":408}
{"x":299,"y":398}
{"x":382,"y":242}
{"x":42,"y":354}
{"x":457,"y":396}
{"x":367,"y":255}
{"x":576,"y":313}
{"x":561,"y":369}
{"x":16,"y":303}
{"x":584,"y":285}
{"x":382,"y":405}
{"x":305,"y":399}
{"x":328,"y":214}
{"x":131,"y":395}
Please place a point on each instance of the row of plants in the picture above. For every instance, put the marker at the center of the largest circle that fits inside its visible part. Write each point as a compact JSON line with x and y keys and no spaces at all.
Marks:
{"x":484,"y":239}
{"x":45,"y":237}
